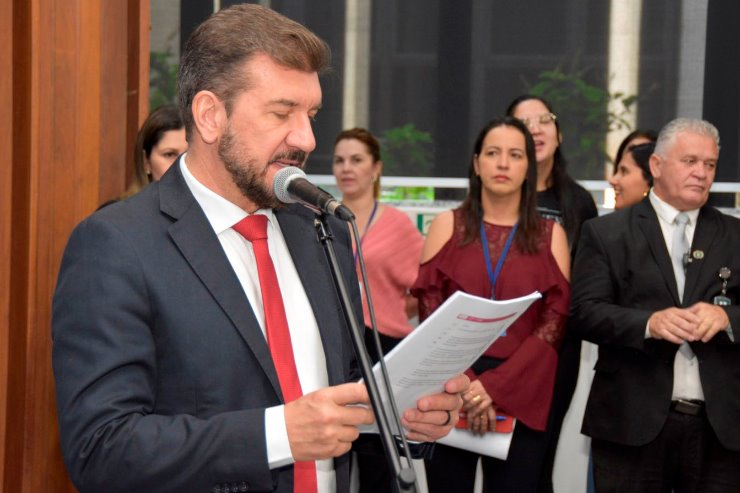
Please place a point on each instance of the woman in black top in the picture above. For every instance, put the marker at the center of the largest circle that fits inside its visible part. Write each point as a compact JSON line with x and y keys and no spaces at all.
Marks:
{"x":559,"y":197}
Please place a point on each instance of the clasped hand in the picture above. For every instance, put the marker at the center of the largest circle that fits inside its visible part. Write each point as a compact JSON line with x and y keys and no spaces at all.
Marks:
{"x":699,"y":322}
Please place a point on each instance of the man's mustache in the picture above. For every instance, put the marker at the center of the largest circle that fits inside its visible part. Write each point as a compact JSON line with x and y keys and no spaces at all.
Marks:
{"x":296,"y":156}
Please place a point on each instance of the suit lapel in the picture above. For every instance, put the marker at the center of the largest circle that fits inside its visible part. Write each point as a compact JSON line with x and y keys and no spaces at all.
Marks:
{"x":297,"y":225}
{"x":705,"y":235}
{"x":647,"y":221}
{"x":194,"y":237}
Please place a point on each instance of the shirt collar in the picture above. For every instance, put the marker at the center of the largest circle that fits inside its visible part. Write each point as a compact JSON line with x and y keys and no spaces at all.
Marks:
{"x":221,"y":213}
{"x":667,"y":213}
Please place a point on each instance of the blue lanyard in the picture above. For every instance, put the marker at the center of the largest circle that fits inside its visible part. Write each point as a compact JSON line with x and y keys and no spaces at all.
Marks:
{"x":493,"y":276}
{"x":369,"y":222}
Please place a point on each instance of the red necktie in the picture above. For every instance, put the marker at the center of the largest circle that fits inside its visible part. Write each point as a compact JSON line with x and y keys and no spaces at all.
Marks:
{"x":254,"y":229}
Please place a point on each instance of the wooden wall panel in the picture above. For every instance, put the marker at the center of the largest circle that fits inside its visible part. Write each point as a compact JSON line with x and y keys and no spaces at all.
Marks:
{"x":125,"y":83}
{"x":140,"y":26}
{"x":71,"y":96}
{"x":19,"y":247}
{"x":6,"y":177}
{"x":113,"y":86}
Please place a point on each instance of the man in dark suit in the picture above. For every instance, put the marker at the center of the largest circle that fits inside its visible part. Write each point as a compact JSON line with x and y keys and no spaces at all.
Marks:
{"x":165,"y":379}
{"x":665,"y":400}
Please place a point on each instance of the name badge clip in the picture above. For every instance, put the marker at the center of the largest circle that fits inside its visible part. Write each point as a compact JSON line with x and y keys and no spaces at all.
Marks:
{"x":723,"y":300}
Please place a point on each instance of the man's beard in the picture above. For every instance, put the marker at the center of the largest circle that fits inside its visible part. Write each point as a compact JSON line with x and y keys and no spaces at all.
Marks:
{"x":247,"y":173}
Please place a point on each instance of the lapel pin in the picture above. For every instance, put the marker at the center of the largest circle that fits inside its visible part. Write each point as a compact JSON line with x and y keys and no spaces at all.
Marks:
{"x":698,"y":254}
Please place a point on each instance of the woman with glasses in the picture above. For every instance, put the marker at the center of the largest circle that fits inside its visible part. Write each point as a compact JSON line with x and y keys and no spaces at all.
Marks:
{"x":560,"y":198}
{"x":496,"y":245}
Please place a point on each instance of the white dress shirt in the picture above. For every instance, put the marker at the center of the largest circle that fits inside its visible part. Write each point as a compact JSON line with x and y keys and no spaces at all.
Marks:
{"x":304,"y":332}
{"x":686,"y":380}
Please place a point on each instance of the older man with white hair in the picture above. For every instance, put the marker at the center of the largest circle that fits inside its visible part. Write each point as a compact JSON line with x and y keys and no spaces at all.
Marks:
{"x":656,"y":286}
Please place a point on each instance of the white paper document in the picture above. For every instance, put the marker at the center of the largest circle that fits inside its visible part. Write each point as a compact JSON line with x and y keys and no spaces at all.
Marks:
{"x":447,"y":343}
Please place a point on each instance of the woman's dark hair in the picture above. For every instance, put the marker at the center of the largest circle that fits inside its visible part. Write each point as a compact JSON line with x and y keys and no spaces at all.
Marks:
{"x":528,"y":231}
{"x":372,"y":144}
{"x":562,"y":183}
{"x":641,"y":154}
{"x":159,"y":121}
{"x":625,"y":146}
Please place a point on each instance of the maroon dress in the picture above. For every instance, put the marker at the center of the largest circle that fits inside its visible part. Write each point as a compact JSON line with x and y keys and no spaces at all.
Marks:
{"x":522,"y":384}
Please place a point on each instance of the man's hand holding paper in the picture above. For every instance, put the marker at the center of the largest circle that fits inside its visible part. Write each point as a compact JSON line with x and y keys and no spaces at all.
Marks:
{"x":425,"y":368}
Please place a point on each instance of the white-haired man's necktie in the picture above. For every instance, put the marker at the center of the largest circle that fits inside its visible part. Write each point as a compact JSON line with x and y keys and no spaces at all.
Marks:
{"x":679,"y":254}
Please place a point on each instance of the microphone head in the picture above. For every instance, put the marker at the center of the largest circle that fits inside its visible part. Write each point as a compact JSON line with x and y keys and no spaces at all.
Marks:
{"x":281,"y":181}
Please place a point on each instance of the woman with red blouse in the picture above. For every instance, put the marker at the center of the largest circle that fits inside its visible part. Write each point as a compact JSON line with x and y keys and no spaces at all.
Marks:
{"x":523,"y":253}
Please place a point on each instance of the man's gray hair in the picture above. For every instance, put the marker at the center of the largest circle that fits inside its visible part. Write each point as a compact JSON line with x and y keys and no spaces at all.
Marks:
{"x":667,"y":136}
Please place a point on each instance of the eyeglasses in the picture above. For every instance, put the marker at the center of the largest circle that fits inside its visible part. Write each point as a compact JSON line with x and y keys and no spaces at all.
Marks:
{"x":543,"y":119}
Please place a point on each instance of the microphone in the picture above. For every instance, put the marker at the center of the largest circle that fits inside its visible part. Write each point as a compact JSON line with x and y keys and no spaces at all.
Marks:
{"x":290,"y":185}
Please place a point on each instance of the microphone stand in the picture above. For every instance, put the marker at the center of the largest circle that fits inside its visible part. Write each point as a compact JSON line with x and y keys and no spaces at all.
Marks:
{"x":404,"y":476}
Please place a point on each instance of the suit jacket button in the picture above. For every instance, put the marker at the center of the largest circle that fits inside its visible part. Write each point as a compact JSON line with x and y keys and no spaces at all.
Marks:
{"x":243,"y":486}
{"x":217,"y":489}
{"x":226,"y":489}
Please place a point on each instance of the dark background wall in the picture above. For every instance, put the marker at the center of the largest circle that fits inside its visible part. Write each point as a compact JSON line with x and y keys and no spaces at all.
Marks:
{"x":722,"y":89}
{"x":448,"y":67}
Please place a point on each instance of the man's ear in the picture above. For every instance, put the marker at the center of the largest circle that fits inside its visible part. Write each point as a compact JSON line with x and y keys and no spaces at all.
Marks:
{"x":654,"y":165}
{"x":209,"y":116}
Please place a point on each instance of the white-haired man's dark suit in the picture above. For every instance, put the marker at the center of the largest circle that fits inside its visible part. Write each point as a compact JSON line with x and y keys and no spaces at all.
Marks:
{"x":622,"y":275}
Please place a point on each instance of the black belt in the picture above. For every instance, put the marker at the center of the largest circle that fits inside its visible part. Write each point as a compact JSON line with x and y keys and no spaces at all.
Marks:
{"x":690,"y":407}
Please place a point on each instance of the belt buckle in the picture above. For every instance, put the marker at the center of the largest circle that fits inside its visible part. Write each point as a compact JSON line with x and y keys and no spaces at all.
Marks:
{"x":684,"y":406}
